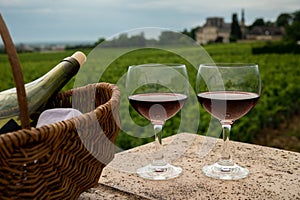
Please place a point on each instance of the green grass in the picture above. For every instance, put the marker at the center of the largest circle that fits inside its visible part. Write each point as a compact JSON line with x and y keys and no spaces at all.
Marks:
{"x":279,"y":101}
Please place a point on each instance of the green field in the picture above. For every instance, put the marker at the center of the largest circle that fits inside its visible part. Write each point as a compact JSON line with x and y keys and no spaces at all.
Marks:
{"x":275,"y":112}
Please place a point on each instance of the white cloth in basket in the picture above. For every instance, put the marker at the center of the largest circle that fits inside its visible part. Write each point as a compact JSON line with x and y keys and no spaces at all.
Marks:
{"x":56,"y":115}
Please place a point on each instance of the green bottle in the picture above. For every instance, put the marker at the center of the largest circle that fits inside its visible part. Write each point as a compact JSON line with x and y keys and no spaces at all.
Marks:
{"x":39,"y":91}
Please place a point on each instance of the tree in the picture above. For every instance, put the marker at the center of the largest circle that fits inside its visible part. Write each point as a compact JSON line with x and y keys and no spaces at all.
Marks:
{"x":269,"y":23}
{"x":186,"y":32}
{"x":258,"y":22}
{"x":169,"y":37}
{"x":137,"y":40}
{"x":293,"y":29}
{"x":191,"y":33}
{"x":284,"y":19}
{"x":296,"y":16}
{"x":99,"y":41}
{"x":236,"y":32}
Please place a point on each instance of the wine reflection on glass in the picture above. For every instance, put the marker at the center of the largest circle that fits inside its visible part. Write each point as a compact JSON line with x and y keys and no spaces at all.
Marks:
{"x":228,"y":92}
{"x":157,"y":92}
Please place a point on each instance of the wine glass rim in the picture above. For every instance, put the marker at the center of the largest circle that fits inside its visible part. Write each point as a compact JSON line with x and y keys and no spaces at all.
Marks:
{"x":154,"y":65}
{"x":220,"y":65}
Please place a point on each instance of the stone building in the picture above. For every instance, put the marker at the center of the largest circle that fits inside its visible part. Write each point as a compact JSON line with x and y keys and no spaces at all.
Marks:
{"x":265,"y":33}
{"x":214,"y":30}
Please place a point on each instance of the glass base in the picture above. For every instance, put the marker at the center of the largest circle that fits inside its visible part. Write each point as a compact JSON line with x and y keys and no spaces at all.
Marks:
{"x":218,"y":171}
{"x":164,"y":172}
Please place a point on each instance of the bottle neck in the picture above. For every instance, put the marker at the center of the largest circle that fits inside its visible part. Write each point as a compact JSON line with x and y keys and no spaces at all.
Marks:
{"x":71,"y":70}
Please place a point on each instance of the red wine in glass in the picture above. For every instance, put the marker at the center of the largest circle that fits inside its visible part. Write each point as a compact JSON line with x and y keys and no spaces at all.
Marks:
{"x":157,"y":107}
{"x":227,"y":91}
{"x":228,"y":105}
{"x":157,"y":92}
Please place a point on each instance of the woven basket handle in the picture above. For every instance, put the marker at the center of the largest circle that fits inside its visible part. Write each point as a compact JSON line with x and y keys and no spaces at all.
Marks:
{"x":17,"y":73}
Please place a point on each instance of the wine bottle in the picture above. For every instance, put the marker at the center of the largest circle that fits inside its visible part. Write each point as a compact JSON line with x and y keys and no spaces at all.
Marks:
{"x":39,"y":91}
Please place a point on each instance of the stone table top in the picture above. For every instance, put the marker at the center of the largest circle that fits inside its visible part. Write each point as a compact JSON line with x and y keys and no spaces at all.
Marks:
{"x":274,"y":173}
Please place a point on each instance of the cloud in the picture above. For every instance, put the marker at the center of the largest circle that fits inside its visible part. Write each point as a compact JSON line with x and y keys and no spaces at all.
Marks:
{"x":59,"y":19}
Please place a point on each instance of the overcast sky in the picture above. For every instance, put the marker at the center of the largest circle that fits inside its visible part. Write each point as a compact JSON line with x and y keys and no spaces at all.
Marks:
{"x":89,"y":20}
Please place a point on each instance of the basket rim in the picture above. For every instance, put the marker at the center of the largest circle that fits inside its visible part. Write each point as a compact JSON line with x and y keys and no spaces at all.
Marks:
{"x":32,"y":134}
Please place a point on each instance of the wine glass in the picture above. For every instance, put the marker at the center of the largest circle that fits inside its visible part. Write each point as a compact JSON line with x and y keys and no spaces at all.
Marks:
{"x":157,"y":92}
{"x":227,"y":92}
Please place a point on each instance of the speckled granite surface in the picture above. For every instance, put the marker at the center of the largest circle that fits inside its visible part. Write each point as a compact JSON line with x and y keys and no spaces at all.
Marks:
{"x":274,"y":173}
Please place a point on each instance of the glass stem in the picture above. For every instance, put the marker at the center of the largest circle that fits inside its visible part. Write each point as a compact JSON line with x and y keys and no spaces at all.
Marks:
{"x":225,"y":159}
{"x":158,"y":158}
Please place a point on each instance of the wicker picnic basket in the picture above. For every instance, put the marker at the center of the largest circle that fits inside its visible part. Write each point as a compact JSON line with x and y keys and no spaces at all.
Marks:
{"x":63,"y":159}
